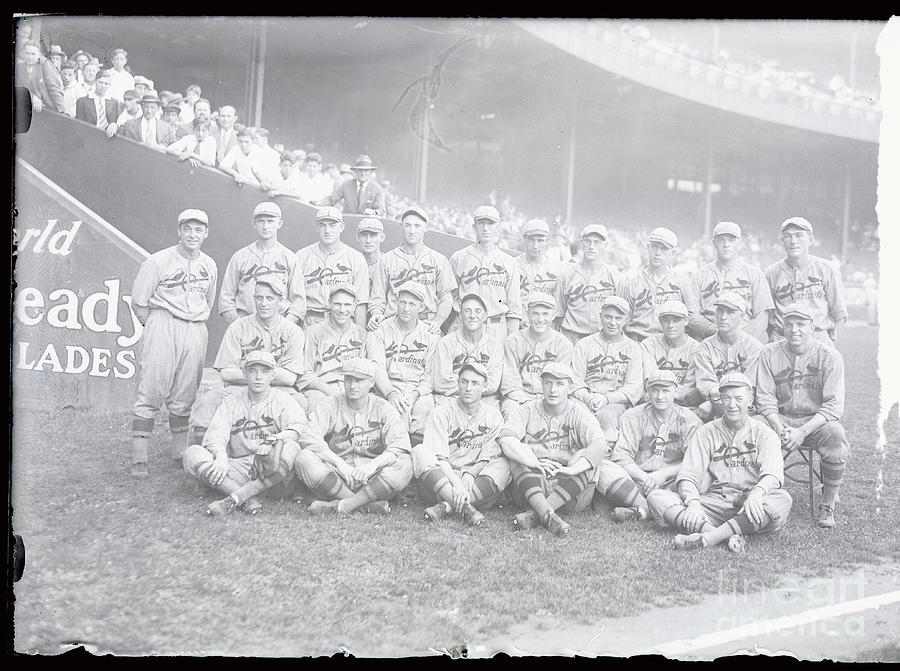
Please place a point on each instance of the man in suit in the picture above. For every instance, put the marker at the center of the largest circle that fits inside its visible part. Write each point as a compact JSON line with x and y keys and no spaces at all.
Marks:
{"x":41,"y":79}
{"x":225,"y":135}
{"x":99,"y":110}
{"x":361,"y":195}
{"x":147,"y":129}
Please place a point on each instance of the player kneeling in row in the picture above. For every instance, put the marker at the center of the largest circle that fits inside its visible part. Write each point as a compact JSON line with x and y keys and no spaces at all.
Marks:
{"x":648,"y":453}
{"x":252,"y":441}
{"x":459,"y":466}
{"x":366,"y":461}
{"x":554,"y":446}
{"x":729,"y":484}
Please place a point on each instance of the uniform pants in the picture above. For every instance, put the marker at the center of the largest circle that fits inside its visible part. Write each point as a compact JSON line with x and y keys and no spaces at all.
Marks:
{"x":497,"y":471}
{"x":830,"y":440}
{"x":324,"y":481}
{"x":720,"y":509}
{"x":196,"y":456}
{"x":615,"y":484}
{"x":578,"y":490}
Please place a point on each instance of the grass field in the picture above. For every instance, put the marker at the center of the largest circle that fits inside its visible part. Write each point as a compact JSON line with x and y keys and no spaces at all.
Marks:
{"x":134,"y":567}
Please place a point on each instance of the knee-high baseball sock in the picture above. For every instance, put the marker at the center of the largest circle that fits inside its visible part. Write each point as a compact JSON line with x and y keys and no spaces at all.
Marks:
{"x":832,"y":476}
{"x":529,"y":485}
{"x":567,"y":488}
{"x":673,"y":517}
{"x":139,"y":445}
{"x":739,"y":524}
{"x":178,"y":426}
{"x":227,"y":486}
{"x":624,"y":492}
{"x":436,"y":482}
{"x":376,"y":489}
{"x":483,"y":489}
{"x":258,"y":486}
{"x":331,"y":487}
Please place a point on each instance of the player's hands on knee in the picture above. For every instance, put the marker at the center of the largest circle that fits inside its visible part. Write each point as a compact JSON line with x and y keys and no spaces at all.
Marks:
{"x":694,"y":518}
{"x":753,"y":506}
{"x":360,"y":476}
{"x":651,"y":482}
{"x":548,"y":467}
{"x":399,"y":402}
{"x":791,"y":439}
{"x":460,"y":496}
{"x":218,"y":470}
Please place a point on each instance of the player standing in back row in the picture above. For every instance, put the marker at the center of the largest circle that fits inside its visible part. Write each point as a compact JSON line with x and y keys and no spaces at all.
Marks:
{"x":172,"y":296}
{"x":537,"y":272}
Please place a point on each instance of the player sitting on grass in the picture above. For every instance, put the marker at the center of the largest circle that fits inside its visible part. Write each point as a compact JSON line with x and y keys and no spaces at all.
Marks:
{"x":527,"y":351}
{"x":673,"y":350}
{"x":608,"y":368}
{"x":366,"y":461}
{"x":648,"y":453}
{"x":800,"y":392}
{"x":728,"y":351}
{"x":554,"y":446}
{"x":459,"y":466}
{"x":729,"y":484}
{"x":252,"y":441}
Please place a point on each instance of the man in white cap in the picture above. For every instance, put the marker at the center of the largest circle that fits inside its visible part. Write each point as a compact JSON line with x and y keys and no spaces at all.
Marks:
{"x":674,"y":351}
{"x":528,"y":351}
{"x":730,"y":482}
{"x":367,"y":458}
{"x":413,"y":261}
{"x":262,"y":258}
{"x":172,"y":296}
{"x":584,"y":286}
{"x":654,"y":284}
{"x":803,"y":278}
{"x":361,"y":195}
{"x":648,"y":453}
{"x":537,"y":272}
{"x":554,"y":446}
{"x":728,"y":273}
{"x":485,"y":269}
{"x":609,"y":375}
{"x":330,"y":263}
{"x":729,"y":350}
{"x":370,"y":235}
{"x":800,"y":392}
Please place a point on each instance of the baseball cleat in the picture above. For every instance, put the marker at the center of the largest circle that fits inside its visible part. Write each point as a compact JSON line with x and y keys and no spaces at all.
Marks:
{"x":557,"y":525}
{"x":621,"y":514}
{"x":139,"y":469}
{"x":471,"y":516}
{"x":377,"y":507}
{"x":437,"y":512}
{"x":826,"y":516}
{"x":222,"y":507}
{"x":690,"y":542}
{"x":324,"y":507}
{"x":252,"y":506}
{"x":526,"y":520}
{"x":737,"y":543}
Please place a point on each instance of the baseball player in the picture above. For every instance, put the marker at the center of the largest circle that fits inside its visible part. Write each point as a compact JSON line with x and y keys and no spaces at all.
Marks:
{"x":648,"y":453}
{"x":330,"y":263}
{"x":584,"y":286}
{"x":537,"y":272}
{"x":260,"y":259}
{"x":554,"y":446}
{"x":493,"y":274}
{"x":470,"y":343}
{"x":370,"y":235}
{"x":367,"y":459}
{"x":526,"y":352}
{"x":728,"y":273}
{"x":654,"y":284}
{"x":172,"y":296}
{"x":729,"y":484}
{"x":800,"y":392}
{"x":609,"y":371}
{"x":729,"y":350}
{"x":265,"y":330}
{"x":413,"y":261}
{"x":803,"y":278}
{"x":674,"y":351}
{"x":459,"y":466}
{"x":252,"y":441}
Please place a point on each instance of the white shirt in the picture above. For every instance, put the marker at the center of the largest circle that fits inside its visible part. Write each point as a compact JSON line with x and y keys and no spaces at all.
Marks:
{"x":148,"y":131}
{"x":121,"y":81}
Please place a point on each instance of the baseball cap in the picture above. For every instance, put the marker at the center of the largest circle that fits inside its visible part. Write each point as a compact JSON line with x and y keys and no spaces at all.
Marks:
{"x":275,"y":282}
{"x":541,"y":298}
{"x":328,"y":213}
{"x":734,"y":380}
{"x":193,"y":215}
{"x":663,"y":235}
{"x":417,"y":289}
{"x":369,"y":224}
{"x":727,"y":228}
{"x":359,"y":368}
{"x":346,"y":288}
{"x":267,"y":208}
{"x":733,"y":300}
{"x":595,"y":229}
{"x":797,"y":310}
{"x":487,"y":212}
{"x":661,"y":377}
{"x":533,"y":226}
{"x":476,"y":366}
{"x":799,"y":222}
{"x":476,"y":297}
{"x":260,"y":357}
{"x":676,"y":308}
{"x":616,"y":302}
{"x":558,"y":370}
{"x":416,"y":210}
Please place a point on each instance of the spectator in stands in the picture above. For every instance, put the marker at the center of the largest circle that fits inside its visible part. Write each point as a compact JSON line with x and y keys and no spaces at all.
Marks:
{"x":290,"y":177}
{"x":89,"y":76}
{"x":170,"y":117}
{"x":57,"y":57}
{"x":345,"y":173}
{"x":148,"y":130}
{"x":314,"y":186}
{"x":197,"y":148}
{"x":362,"y":195}
{"x":72,"y":90}
{"x":142,"y":85}
{"x":330,"y":170}
{"x":202,"y":111}
{"x":241,"y":161}
{"x":42,"y":80}
{"x":268,"y":159}
{"x":191,"y":96}
{"x":226,"y":136}
{"x":132,"y":107}
{"x":121,"y":79}
{"x":98,"y":109}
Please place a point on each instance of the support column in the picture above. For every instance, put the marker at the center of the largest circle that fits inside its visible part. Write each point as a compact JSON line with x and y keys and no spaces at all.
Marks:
{"x":260,"y":78}
{"x":423,"y":152}
{"x":845,"y":223}
{"x":707,"y":193}
{"x":570,"y":167}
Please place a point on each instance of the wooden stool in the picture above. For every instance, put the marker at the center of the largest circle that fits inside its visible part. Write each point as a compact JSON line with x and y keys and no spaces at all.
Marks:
{"x":805,"y":457}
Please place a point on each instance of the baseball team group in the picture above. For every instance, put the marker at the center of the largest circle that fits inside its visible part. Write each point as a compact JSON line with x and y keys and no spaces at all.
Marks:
{"x":351,"y":377}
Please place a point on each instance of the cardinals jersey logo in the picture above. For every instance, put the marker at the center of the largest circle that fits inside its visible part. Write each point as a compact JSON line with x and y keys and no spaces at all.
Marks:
{"x":423,"y":275}
{"x":606,"y":367}
{"x":583,"y":293}
{"x":464,"y":440}
{"x":544,"y":283}
{"x":550,"y":440}
{"x":799,"y":291}
{"x":403,"y":353}
{"x":358,"y":437}
{"x":799,"y":379}
{"x":736,"y":456}
{"x":725,"y":367}
{"x":495,"y":276}
{"x":254,"y":272}
{"x":251,"y":429}
{"x":679,"y":367}
{"x":340,"y":274}
{"x":460,"y":359}
{"x":257,"y":343}
{"x":342,"y":352}
{"x":534,"y":363}
{"x":198,"y":283}
{"x":712,"y":290}
{"x":669,"y":447}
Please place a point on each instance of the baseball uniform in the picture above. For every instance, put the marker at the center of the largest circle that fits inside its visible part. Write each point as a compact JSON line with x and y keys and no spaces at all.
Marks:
{"x":580,"y":293}
{"x":645,"y":294}
{"x":429,"y":268}
{"x":715,"y":358}
{"x":523,"y":360}
{"x":659,"y":355}
{"x":540,"y":277}
{"x":325,"y":270}
{"x":711,"y":281}
{"x":818,"y":286}
{"x":251,"y":263}
{"x":452,"y":351}
{"x":326,"y":348}
{"x":493,"y":275}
